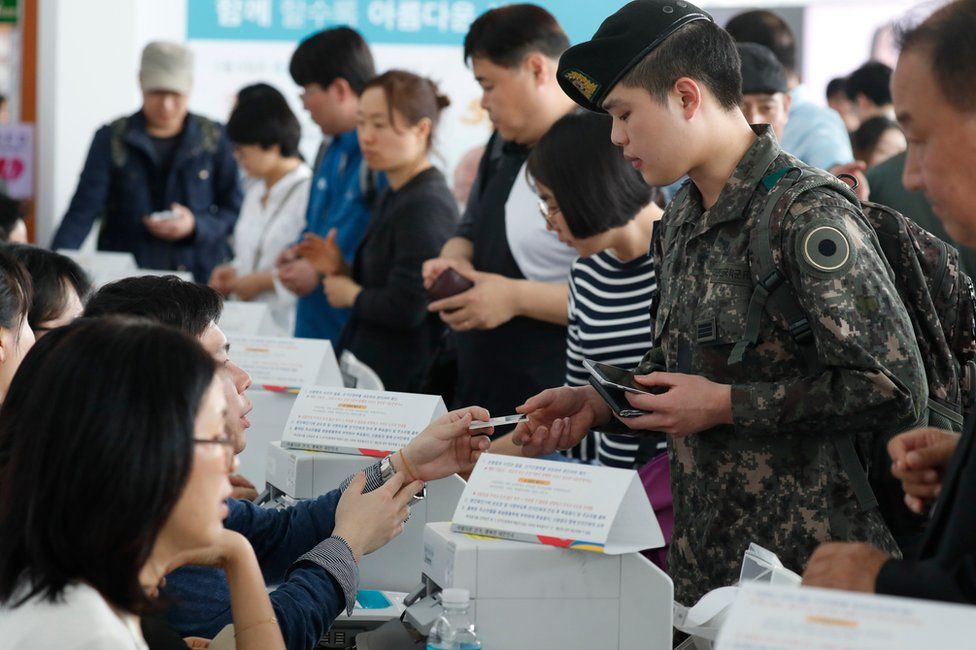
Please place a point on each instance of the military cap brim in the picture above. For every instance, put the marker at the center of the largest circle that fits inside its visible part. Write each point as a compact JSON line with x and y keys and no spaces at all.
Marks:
{"x":589,"y":71}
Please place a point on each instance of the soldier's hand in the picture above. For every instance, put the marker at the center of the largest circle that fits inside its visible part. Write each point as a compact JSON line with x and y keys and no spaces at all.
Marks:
{"x":690,"y":405}
{"x":845,"y":565}
{"x":558,"y":419}
{"x":919,"y":458}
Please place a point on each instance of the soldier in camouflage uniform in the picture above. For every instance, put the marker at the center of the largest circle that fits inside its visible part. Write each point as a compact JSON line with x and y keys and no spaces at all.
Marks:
{"x":752,"y":443}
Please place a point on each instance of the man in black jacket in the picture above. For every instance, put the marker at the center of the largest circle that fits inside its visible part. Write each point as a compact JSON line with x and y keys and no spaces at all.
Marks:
{"x":163,"y":180}
{"x":934,"y":90}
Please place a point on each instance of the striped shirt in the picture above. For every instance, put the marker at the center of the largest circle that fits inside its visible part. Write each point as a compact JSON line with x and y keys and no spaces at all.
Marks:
{"x":609,"y":322}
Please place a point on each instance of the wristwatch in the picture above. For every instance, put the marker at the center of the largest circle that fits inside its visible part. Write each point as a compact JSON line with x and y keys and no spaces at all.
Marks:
{"x":387,"y":470}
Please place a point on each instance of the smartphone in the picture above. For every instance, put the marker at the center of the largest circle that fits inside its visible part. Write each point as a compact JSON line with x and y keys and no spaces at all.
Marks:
{"x":164,"y":215}
{"x":617,"y":377}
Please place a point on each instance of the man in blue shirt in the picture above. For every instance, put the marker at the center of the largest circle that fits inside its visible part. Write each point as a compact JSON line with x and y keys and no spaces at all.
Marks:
{"x":814,"y":134}
{"x":332,"y":67}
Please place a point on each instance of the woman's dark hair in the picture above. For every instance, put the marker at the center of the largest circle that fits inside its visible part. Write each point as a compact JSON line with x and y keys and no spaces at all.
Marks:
{"x":595,"y":187}
{"x":92,"y":465}
{"x":946,"y":40}
{"x":411,"y":95}
{"x":16,"y":291}
{"x":51,"y":273}
{"x":11,"y":211}
{"x":330,"y":54}
{"x":867,"y":136}
{"x":187,"y":306}
{"x":507,"y":34}
{"x":262,"y":117}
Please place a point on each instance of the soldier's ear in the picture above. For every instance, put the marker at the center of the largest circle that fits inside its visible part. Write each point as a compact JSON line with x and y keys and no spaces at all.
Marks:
{"x":687,"y":95}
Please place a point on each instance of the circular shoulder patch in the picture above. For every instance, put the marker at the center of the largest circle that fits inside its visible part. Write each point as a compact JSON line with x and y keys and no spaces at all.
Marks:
{"x":825,"y":248}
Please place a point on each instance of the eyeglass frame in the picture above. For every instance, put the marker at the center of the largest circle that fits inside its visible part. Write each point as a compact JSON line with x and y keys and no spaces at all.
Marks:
{"x":225,"y":441}
{"x":547,"y":213}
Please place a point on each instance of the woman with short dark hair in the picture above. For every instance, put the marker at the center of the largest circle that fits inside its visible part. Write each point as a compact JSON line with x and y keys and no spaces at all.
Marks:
{"x":16,"y":336}
{"x":60,"y":287}
{"x":265,"y":134}
{"x":98,"y":502}
{"x":599,"y":205}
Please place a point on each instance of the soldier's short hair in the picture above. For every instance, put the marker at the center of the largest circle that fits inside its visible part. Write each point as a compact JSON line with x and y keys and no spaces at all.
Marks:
{"x":947,"y":38}
{"x":702,"y":51}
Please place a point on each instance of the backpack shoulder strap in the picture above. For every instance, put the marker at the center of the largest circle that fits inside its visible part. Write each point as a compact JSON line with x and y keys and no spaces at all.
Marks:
{"x":771,"y":283}
{"x":209,"y":133}
{"x":119,"y":152}
{"x":773,"y":288}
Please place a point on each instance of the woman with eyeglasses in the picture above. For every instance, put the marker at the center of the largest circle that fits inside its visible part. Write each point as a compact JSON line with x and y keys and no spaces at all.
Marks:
{"x":112,"y":475}
{"x":599,"y":205}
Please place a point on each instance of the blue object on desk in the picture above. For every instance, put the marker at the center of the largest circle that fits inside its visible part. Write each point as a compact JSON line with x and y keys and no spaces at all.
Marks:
{"x":372,"y":599}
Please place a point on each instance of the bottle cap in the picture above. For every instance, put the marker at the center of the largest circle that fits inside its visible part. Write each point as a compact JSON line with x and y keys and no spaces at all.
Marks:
{"x":455,"y":596}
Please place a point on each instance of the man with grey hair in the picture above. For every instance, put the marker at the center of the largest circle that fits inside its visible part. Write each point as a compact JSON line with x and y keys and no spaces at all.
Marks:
{"x":163,"y":180}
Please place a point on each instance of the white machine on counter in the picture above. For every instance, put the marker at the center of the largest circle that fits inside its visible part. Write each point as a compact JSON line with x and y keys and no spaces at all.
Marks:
{"x":294,"y":474}
{"x":530,"y":596}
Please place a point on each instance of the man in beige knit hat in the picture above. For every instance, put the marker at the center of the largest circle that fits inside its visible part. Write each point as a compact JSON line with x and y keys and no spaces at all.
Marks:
{"x":163,"y":180}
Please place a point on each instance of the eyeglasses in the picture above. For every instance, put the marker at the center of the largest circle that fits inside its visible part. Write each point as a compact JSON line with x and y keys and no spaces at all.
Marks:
{"x":226,"y":441}
{"x":548,"y":213}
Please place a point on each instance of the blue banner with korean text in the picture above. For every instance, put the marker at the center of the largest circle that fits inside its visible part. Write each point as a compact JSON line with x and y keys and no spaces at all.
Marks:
{"x":427,"y":22}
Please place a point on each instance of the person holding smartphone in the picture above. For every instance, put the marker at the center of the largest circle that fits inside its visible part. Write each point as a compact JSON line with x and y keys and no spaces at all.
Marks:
{"x":390,"y":328}
{"x":597,"y":204}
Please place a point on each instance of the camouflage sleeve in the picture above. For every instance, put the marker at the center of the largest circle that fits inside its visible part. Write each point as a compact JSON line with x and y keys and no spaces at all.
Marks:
{"x":870,"y":373}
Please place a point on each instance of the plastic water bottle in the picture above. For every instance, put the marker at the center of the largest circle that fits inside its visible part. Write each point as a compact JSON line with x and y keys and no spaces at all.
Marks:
{"x":455,"y":629}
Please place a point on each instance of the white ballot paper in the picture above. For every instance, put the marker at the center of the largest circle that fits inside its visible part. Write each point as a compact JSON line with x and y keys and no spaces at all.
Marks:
{"x":281,"y":364}
{"x":351,"y":421}
{"x":581,"y":507}
{"x":246,"y":319}
{"x":771,"y":617}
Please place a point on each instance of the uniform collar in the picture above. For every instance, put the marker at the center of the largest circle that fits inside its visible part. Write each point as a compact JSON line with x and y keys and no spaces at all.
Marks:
{"x":739,"y":189}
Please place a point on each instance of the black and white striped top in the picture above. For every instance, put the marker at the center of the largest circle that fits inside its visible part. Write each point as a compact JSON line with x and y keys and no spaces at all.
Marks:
{"x":609,"y":321}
